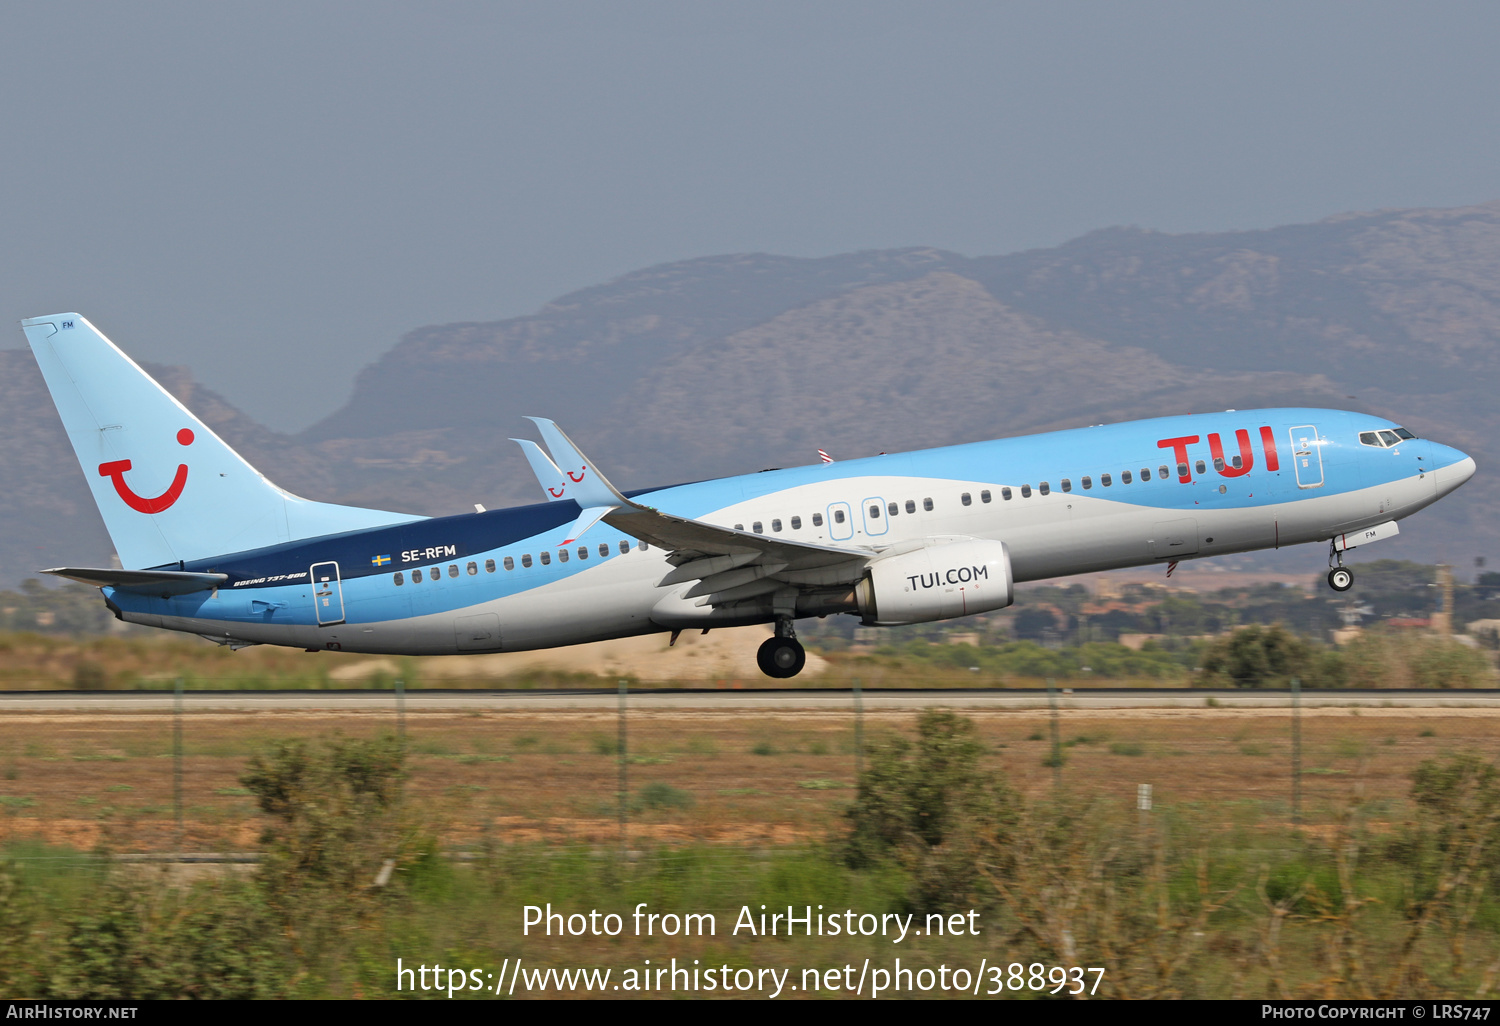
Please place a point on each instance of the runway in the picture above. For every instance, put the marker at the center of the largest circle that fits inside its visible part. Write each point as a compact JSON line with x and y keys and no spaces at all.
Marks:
{"x":647,"y":699}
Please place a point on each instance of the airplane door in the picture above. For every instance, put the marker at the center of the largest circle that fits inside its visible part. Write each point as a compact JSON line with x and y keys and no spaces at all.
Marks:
{"x":328,"y":593}
{"x":840,"y":522}
{"x":1307,"y":454}
{"x":873,"y":511}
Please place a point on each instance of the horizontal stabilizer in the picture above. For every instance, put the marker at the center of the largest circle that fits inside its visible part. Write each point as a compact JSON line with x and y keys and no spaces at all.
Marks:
{"x":147,"y":582}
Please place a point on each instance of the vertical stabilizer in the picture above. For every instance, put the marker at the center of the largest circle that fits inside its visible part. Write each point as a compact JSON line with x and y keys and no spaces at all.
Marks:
{"x":168,"y":488}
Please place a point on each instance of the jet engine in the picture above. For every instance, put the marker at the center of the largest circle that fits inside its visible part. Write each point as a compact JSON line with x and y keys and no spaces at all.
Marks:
{"x":943,"y":580}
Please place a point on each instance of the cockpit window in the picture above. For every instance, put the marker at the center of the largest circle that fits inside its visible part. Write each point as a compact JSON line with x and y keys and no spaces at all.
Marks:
{"x":1385,"y":437}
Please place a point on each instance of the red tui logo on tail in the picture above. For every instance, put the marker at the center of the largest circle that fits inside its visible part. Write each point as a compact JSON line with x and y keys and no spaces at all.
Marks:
{"x":116,"y":471}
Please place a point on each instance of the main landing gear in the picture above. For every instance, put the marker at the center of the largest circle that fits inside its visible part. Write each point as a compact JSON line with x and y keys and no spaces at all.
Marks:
{"x":1340,"y":578}
{"x":782,"y":656}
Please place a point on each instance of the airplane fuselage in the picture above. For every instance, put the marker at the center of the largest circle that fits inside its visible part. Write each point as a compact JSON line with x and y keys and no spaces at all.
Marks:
{"x":1065,"y":502}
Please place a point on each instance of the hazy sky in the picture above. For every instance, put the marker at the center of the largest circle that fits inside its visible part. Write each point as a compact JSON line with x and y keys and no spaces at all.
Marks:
{"x":273,"y":193}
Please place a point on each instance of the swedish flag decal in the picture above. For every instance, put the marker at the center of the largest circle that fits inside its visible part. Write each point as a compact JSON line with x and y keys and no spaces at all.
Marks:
{"x":379,"y":560}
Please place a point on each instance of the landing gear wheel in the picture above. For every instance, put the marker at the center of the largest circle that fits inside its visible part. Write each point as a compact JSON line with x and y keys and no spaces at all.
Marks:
{"x":781,"y":657}
{"x":1340,"y":578}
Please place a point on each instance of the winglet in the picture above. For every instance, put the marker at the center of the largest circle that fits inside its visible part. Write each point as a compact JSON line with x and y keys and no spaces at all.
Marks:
{"x":585,"y":486}
{"x":587,"y":519}
{"x":548,"y":476}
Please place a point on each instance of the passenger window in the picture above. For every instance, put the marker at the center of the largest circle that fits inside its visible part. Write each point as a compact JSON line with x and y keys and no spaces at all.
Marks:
{"x":1106,"y":480}
{"x":1124,"y":477}
{"x":817,"y":520}
{"x":604,"y":550}
{"x":1201,"y":468}
{"x":1044,"y":488}
{"x":892,"y":509}
{"x":1005,"y":494}
{"x":583,"y":552}
{"x":1238,"y":462}
{"x":1162,"y":472}
{"x":1218,"y":463}
{"x":1145,"y":473}
{"x":984,"y":496}
{"x":796,"y":523}
{"x":473,"y":568}
{"x":436,"y":573}
{"x":757,"y":528}
{"x":489,"y":566}
{"x":927,"y":505}
{"x":838,"y":516}
{"x":1026,"y":491}
{"x":874,"y":511}
{"x":739,"y":527}
{"x":1067,"y":485}
{"x":562,"y":555}
{"x":1390,"y":438}
{"x":1088,"y":482}
{"x":776,"y":526}
{"x":911,"y":507}
{"x":545,"y":557}
{"x":966,"y":499}
{"x":510,"y":563}
{"x":526,"y":560}
{"x":624,"y":547}
{"x":1182,"y":470}
{"x":642,"y":546}
{"x":400,"y":578}
{"x":416,"y":577}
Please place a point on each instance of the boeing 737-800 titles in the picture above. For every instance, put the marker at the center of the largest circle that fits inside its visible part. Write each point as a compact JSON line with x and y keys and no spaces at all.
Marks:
{"x":211,"y":547}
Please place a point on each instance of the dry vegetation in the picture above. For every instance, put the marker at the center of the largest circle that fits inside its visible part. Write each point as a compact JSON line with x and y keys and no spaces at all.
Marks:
{"x":721,"y":778}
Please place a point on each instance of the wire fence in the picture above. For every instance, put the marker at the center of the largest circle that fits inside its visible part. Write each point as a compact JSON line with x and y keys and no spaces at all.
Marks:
{"x":634,"y":771}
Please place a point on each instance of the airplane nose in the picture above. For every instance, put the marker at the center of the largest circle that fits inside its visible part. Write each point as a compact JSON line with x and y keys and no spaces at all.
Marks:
{"x":1454,"y":470}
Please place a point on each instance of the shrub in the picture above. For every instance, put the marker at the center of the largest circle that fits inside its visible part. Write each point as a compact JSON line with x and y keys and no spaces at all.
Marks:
{"x":927,"y":805}
{"x":1268,"y":656}
{"x":659,"y":795}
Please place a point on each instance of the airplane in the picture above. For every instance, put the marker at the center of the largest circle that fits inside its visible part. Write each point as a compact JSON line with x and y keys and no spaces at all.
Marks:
{"x":209,"y":546}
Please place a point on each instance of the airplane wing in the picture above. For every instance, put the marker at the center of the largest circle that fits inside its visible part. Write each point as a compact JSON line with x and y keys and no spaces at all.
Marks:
{"x":147,"y":582}
{"x":729,"y":565}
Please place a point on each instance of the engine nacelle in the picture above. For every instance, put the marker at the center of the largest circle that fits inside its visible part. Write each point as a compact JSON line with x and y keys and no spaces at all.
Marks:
{"x":943,"y":580}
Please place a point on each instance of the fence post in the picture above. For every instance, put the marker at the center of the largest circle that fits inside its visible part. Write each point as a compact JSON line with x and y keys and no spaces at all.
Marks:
{"x":624,"y":785}
{"x":177,"y":761}
{"x":1296,"y":751}
{"x":1056,"y":736}
{"x":859,"y":734}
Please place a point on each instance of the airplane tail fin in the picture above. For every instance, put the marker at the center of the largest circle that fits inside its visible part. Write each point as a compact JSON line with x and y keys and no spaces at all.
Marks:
{"x":167,"y":487}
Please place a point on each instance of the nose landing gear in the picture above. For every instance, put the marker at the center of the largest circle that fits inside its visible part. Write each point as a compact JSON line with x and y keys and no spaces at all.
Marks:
{"x":782,"y":656}
{"x":1340,"y":578}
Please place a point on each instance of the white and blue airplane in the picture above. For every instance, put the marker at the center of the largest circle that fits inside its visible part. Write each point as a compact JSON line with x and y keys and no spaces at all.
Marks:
{"x":211,"y":547}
